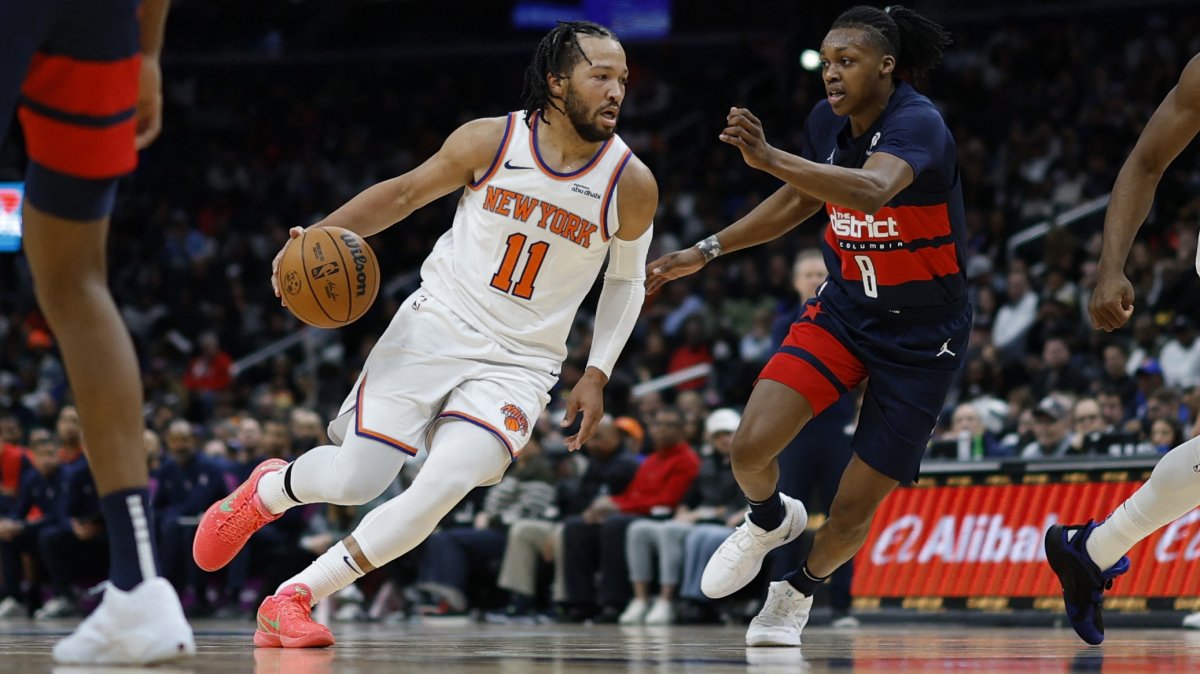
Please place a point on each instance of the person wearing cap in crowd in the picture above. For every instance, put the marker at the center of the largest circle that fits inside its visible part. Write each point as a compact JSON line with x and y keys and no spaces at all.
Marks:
{"x":1051,"y":429}
{"x":1180,"y":357}
{"x":713,"y":497}
{"x":634,"y":433}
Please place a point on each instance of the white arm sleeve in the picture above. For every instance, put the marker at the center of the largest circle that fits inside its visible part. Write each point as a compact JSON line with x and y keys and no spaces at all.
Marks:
{"x":620,"y":299}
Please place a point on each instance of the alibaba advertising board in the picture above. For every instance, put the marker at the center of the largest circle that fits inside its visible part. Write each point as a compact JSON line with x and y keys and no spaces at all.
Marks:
{"x":980,"y":545}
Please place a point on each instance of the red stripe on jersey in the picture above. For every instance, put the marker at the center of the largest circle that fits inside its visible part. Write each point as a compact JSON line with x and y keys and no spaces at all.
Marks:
{"x":911,"y":223}
{"x":92,"y":88}
{"x":897,"y":267}
{"x":92,"y":153}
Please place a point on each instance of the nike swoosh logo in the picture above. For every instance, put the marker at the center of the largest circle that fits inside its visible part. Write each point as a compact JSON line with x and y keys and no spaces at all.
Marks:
{"x":227,"y":504}
{"x":265,"y":622}
{"x":509,"y":165}
{"x":346,"y":559}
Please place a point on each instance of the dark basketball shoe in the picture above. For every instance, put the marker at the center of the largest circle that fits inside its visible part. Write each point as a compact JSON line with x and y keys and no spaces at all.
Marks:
{"x":1082,"y":581}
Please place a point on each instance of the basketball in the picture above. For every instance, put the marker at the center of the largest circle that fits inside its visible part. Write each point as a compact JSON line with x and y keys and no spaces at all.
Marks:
{"x":328,"y":277}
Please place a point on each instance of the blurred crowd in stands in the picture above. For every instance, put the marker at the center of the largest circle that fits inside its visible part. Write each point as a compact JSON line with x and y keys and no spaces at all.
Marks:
{"x":1044,"y":111}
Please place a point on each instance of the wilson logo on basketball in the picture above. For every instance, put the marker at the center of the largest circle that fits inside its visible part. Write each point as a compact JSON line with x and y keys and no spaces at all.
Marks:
{"x":514,"y":419}
{"x":360,"y":263}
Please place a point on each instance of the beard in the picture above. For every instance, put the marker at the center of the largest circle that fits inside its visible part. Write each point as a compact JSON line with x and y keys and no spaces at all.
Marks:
{"x":584,"y":121}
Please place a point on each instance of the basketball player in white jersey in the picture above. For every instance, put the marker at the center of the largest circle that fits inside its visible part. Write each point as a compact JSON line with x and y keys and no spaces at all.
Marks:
{"x":1087,"y":558}
{"x":466,"y":365}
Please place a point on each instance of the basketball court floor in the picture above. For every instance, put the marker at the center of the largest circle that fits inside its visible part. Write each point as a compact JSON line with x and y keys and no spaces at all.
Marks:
{"x":225,"y":647}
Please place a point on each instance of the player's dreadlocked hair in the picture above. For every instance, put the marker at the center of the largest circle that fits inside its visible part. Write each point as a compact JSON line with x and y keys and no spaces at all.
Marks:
{"x":915,"y":41}
{"x":556,"y":54}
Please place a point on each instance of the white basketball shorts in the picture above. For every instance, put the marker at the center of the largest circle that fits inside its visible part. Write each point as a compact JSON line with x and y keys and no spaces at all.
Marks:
{"x":432,"y":366}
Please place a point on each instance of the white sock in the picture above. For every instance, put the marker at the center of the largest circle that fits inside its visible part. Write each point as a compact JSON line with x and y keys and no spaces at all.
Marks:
{"x":1172,"y":490}
{"x":327,"y":575}
{"x":272,"y":492}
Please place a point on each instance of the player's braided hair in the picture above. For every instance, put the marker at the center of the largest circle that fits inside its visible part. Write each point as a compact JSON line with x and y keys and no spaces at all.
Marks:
{"x":556,"y":54}
{"x":915,"y":41}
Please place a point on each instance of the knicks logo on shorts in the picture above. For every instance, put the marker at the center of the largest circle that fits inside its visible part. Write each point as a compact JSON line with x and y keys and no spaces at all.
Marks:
{"x":514,"y":419}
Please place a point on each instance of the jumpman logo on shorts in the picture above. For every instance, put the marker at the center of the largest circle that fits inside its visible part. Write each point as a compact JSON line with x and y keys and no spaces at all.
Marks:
{"x":946,"y":350}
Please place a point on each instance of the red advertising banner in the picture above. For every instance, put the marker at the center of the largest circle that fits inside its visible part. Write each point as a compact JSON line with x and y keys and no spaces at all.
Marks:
{"x":986,"y":541}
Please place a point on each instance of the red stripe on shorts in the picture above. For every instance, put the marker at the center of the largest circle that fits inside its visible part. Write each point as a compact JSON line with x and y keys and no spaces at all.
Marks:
{"x":92,"y":153}
{"x":818,"y":341}
{"x":803,"y":378}
{"x":92,"y":88}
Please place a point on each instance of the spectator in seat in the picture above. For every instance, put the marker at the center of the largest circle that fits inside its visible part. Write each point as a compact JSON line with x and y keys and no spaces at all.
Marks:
{"x":1180,"y":356}
{"x":595,"y":540}
{"x":73,"y":546}
{"x":35,"y":507}
{"x":13,"y":461}
{"x":188,"y":482}
{"x":611,"y":465}
{"x":1051,"y":429}
{"x":713,"y":497}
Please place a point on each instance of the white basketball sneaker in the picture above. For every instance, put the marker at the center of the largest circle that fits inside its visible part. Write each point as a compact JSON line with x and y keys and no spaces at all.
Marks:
{"x":740,"y":557}
{"x":782,"y":617}
{"x":140,"y":627}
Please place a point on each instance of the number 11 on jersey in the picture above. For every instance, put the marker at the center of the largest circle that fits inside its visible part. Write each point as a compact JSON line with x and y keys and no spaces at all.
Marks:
{"x":502,"y":280}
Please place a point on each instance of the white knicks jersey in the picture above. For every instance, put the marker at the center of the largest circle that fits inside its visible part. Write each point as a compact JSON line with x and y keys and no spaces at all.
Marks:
{"x":527,"y":244}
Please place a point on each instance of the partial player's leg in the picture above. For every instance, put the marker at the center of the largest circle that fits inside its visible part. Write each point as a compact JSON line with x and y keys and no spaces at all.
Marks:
{"x":811,"y":370}
{"x":1087,"y":557}
{"x":462,"y":456}
{"x":351,"y":474}
{"x":899,"y":410}
{"x":77,"y":111}
{"x":774,"y":414}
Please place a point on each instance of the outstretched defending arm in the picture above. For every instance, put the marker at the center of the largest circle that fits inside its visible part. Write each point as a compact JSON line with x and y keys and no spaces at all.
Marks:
{"x":777,"y":215}
{"x":621,"y":297}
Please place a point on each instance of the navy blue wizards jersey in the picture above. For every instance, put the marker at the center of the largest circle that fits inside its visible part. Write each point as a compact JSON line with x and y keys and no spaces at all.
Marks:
{"x":909,"y":254}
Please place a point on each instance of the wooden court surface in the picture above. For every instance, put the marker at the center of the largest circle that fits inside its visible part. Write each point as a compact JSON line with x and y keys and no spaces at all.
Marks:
{"x":564,"y":649}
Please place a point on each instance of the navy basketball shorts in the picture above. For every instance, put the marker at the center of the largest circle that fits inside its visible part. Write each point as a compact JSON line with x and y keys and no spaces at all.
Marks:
{"x":71,"y":68}
{"x":908,"y":366}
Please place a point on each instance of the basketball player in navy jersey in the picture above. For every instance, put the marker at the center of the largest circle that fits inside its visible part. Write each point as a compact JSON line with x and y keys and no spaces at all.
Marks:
{"x":1088,"y":557}
{"x":86,"y":74}
{"x":879,"y":158}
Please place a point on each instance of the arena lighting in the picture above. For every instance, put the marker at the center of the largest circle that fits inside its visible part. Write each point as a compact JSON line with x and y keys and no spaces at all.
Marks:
{"x":810,"y":59}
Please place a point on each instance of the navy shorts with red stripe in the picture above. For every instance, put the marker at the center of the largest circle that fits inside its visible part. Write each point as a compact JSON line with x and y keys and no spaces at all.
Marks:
{"x":908,"y":363}
{"x":71,"y":68}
